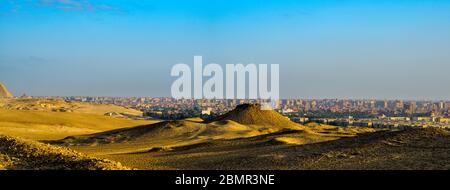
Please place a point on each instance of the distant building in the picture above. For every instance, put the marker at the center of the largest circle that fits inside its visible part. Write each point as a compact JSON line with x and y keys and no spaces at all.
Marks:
{"x":300,"y":119}
{"x":4,"y":92}
{"x":399,"y":118}
{"x":207,"y":111}
{"x":422,"y":119}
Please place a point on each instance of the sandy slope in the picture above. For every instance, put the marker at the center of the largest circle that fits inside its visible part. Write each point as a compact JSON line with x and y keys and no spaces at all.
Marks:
{"x":414,"y":149}
{"x":46,"y":125}
{"x":243,"y":122}
{"x":20,"y":154}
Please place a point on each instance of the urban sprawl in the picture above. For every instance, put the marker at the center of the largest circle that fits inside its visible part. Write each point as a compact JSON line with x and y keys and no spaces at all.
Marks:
{"x":399,"y":114}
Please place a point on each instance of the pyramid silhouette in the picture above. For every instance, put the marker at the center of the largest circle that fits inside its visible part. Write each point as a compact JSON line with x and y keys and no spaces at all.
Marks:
{"x":4,"y":92}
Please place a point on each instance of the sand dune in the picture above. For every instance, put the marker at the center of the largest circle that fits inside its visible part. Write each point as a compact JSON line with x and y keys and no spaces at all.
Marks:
{"x":174,"y":134}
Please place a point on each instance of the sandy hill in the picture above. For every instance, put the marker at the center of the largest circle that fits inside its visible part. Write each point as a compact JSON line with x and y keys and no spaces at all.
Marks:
{"x":391,"y":150}
{"x":252,"y":114}
{"x":164,"y":135}
{"x":4,"y":93}
{"x":243,"y":122}
{"x":20,"y":154}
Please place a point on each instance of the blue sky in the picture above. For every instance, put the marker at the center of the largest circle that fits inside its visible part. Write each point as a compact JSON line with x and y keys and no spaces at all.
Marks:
{"x":326,"y":49}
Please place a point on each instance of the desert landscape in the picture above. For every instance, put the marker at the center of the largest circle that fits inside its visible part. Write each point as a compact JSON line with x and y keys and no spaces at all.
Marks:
{"x":45,"y":134}
{"x":225,"y":85}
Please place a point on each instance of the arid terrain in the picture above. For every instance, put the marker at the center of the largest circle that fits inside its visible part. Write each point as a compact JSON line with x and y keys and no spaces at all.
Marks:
{"x":46,"y":125}
{"x":20,"y":154}
{"x":246,"y":138}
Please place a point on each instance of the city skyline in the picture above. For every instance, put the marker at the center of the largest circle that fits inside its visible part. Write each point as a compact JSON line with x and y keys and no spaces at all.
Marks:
{"x":225,"y":99}
{"x":364,"y":113}
{"x":326,"y":49}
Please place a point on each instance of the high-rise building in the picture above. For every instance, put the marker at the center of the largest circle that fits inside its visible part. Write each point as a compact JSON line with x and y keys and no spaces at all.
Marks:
{"x":399,"y":104}
{"x":441,"y":105}
{"x":313,"y":105}
{"x":372,"y":104}
{"x":412,"y":107}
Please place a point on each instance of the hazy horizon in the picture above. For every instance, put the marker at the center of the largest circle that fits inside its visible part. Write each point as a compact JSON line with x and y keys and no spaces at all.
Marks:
{"x":351,"y":49}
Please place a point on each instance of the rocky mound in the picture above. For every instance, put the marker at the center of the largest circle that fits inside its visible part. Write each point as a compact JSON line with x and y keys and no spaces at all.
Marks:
{"x":4,"y":92}
{"x":20,"y":154}
{"x":252,"y":114}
